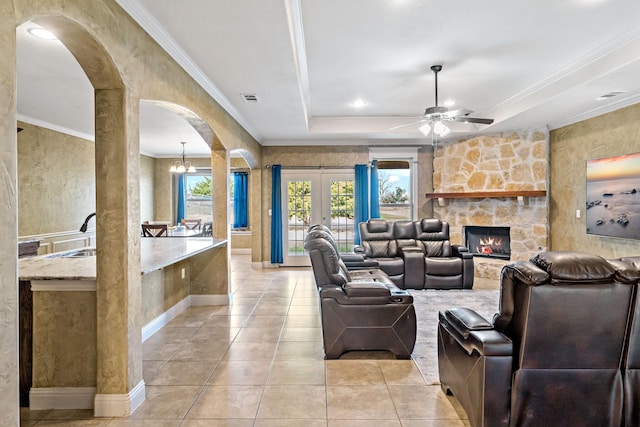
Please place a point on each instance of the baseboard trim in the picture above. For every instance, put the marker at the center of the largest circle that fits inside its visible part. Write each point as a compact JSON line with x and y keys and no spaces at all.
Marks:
{"x":210,"y":299}
{"x":159,"y":322}
{"x":61,"y":398}
{"x":119,"y":405}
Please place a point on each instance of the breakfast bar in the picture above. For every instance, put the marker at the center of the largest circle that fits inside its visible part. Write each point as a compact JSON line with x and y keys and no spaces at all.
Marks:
{"x":175,"y":273}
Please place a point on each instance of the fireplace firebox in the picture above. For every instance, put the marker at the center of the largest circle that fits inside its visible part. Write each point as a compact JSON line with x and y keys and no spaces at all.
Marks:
{"x":488,"y":241}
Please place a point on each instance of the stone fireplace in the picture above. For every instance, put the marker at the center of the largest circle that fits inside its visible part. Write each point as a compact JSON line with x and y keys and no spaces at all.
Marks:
{"x":496,"y":181}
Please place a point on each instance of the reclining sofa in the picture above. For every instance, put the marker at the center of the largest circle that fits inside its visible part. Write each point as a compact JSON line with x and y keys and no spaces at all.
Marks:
{"x":360,"y":310}
{"x":563,"y":350}
{"x":416,"y":254}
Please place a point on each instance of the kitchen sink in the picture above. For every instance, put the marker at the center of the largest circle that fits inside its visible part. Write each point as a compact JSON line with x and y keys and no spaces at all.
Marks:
{"x":76,"y":253}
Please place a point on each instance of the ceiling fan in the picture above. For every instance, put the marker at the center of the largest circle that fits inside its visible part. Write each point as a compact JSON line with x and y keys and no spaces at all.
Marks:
{"x":435,"y":118}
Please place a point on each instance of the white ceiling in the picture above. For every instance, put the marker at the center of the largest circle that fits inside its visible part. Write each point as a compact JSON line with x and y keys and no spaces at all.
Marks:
{"x":524,"y":64}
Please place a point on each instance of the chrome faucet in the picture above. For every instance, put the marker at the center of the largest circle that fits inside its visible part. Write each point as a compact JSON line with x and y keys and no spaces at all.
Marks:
{"x":83,"y":227}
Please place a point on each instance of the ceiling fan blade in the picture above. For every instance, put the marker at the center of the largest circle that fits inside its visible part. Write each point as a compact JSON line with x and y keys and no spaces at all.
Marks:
{"x":458,"y":113}
{"x":465,"y":119}
{"x":407,"y":124}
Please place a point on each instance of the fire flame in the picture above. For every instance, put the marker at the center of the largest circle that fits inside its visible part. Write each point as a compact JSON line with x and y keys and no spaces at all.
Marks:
{"x":488,"y":243}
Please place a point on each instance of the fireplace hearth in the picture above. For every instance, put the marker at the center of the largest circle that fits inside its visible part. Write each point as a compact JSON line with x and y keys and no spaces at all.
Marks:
{"x":488,"y":241}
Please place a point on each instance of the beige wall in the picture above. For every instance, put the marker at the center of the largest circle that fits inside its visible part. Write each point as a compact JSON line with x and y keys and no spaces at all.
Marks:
{"x":56,"y":181}
{"x":147,"y":185}
{"x":611,"y":134}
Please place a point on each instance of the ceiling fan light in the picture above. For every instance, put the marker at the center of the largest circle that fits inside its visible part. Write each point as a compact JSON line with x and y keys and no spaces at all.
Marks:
{"x":446,"y":131}
{"x":439,"y":127}
{"x":425,"y":129}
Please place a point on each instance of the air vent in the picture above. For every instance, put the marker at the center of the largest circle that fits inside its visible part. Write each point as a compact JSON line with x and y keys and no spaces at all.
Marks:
{"x":609,"y":95}
{"x":250,"y":97}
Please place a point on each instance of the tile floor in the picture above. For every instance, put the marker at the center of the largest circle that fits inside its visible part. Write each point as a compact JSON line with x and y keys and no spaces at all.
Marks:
{"x":259,"y":362}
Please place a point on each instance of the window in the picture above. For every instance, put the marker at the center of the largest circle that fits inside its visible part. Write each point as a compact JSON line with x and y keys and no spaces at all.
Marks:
{"x":199,"y":203}
{"x":396,"y":181}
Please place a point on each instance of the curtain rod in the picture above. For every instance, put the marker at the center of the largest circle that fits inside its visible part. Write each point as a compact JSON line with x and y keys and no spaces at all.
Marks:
{"x":312,"y":167}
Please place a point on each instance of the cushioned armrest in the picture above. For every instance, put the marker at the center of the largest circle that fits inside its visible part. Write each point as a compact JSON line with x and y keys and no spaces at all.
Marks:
{"x":368,"y":264}
{"x":347,"y":258}
{"x":358,"y":249}
{"x":410,"y":249}
{"x":475,"y":333}
{"x":465,"y":320}
{"x":461,"y":252}
{"x":459,"y":248}
{"x":365,"y":289}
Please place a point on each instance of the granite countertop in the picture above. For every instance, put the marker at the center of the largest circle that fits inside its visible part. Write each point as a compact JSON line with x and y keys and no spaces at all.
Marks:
{"x":155,"y":253}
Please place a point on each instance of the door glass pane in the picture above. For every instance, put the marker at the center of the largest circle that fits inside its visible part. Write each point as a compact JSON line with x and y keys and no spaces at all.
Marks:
{"x":342,"y":212}
{"x":298,"y":214}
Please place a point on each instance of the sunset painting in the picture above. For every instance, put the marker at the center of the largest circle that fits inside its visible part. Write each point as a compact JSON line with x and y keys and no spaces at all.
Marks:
{"x":613,"y":196}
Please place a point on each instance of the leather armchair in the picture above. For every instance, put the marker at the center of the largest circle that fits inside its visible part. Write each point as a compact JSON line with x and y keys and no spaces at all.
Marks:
{"x":367,"y":312}
{"x":446,"y":266}
{"x":552,"y":355}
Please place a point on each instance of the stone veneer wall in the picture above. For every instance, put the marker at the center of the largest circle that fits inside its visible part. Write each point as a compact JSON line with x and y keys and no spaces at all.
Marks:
{"x":504,"y":162}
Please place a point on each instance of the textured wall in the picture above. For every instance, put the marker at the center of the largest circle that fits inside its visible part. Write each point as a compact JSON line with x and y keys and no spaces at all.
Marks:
{"x":56,"y":181}
{"x":164,"y":288}
{"x":504,"y":162}
{"x":147,"y":185}
{"x":611,"y":134}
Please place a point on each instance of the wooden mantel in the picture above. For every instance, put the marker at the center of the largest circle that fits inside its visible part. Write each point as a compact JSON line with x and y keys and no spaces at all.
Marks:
{"x":518,"y":194}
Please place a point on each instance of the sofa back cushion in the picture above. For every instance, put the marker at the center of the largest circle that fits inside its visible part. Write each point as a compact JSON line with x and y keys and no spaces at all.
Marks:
{"x":377,"y":239}
{"x":404,"y":233}
{"x":325,"y":263}
{"x":433,"y":235}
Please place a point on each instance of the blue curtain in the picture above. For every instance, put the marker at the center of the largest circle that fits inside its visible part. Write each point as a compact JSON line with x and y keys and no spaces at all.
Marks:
{"x":182,"y":198}
{"x":276,"y":215}
{"x":240,"y":189}
{"x":374,"y":209}
{"x":361,"y":200}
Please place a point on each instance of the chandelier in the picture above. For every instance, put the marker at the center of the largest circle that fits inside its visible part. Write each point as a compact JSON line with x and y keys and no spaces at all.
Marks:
{"x":182,"y":166}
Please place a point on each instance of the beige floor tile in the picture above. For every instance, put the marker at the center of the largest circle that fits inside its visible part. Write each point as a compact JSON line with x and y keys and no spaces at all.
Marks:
{"x":264,"y":321}
{"x":363,"y":402}
{"x":171,"y":335}
{"x":271,"y":310}
{"x":69,"y":414}
{"x":236,"y":372}
{"x":304,"y":310}
{"x":433,"y":423}
{"x":226,"y":402}
{"x":365,"y":423}
{"x":299,"y":350}
{"x":216,"y":333}
{"x":401,"y":372}
{"x":166,"y":402}
{"x":297,"y":372}
{"x":228,"y":422}
{"x":293,"y":401}
{"x":121,"y":422}
{"x":176,"y":372}
{"x":301,"y":334}
{"x":266,"y":422}
{"x":354,"y":372}
{"x":205,"y":351}
{"x":150,"y":368}
{"x":94,"y":422}
{"x":250,"y":351}
{"x":305,"y":301}
{"x":27,"y":414}
{"x":159,"y":351}
{"x":225,"y":321}
{"x":303,"y":321}
{"x":259,"y":334}
{"x":421,"y":402}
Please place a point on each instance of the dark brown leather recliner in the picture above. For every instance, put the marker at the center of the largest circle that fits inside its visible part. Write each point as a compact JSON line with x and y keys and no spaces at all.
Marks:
{"x":553,"y":354}
{"x":417,"y":254}
{"x":364,"y":313}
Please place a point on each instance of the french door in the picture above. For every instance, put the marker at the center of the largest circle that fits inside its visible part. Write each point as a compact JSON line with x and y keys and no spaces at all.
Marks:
{"x":315,"y":197}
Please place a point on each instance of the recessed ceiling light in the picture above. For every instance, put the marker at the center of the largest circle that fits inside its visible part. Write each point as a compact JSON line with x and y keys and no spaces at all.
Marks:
{"x":358,"y":103}
{"x":41,"y":33}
